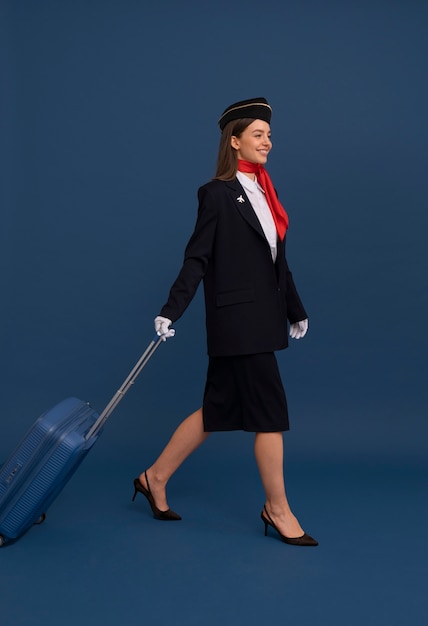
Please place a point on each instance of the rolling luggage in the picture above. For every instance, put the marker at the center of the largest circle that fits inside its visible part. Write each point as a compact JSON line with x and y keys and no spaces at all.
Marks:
{"x":50,"y":453}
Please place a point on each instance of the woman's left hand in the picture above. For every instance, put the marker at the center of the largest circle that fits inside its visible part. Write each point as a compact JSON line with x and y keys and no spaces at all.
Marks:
{"x":299,"y":329}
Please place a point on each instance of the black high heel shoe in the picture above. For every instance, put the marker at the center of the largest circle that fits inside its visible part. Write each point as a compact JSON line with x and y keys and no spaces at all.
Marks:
{"x":167,"y":516}
{"x":304,"y":540}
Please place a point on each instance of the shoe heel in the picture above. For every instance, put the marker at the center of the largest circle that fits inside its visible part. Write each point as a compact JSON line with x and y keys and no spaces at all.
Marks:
{"x":135,"y":494}
{"x":265,"y":523}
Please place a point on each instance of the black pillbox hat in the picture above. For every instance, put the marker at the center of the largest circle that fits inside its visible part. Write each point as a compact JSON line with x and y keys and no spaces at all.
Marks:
{"x":256,"y":109}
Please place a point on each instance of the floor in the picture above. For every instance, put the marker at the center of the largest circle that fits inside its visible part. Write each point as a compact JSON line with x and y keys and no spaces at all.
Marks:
{"x":100,"y":559}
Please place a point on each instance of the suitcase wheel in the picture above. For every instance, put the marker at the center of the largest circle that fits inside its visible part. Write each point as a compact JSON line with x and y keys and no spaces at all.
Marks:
{"x":41,"y":519}
{"x":2,"y":541}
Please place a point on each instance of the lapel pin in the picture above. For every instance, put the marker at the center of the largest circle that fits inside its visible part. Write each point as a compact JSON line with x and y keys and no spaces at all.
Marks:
{"x":240,"y":199}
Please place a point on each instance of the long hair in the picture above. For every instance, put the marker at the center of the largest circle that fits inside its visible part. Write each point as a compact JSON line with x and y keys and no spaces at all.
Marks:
{"x":227,"y":160}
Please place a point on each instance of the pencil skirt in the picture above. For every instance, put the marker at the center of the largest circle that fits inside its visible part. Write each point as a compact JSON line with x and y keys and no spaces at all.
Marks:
{"x":244,"y":392}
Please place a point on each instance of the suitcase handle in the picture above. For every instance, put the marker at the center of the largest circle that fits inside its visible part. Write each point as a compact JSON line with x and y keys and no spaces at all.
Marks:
{"x":147,"y":354}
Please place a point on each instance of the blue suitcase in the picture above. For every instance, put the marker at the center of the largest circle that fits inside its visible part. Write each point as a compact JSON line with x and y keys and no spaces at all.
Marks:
{"x":50,"y":453}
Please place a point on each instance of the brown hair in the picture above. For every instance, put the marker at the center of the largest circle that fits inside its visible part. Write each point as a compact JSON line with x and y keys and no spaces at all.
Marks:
{"x":227,"y":160}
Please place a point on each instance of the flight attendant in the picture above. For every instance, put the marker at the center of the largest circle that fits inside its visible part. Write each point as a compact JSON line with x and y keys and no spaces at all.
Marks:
{"x":238,"y":250}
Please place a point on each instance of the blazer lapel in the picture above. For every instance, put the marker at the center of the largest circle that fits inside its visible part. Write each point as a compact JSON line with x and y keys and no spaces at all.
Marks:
{"x":244,"y":206}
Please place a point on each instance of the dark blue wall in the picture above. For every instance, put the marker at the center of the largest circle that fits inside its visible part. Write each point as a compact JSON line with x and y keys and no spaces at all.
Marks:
{"x":108,"y":126}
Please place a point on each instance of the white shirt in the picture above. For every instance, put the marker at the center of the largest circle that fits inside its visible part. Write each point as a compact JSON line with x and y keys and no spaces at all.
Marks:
{"x":257,"y":197}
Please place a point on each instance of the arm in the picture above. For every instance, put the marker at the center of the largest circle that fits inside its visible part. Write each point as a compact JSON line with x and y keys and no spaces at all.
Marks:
{"x":196,"y":257}
{"x":296,"y":313}
{"x":295,"y":309}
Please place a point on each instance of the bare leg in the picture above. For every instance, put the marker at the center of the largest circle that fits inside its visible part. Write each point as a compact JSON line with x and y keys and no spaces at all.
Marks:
{"x":187,"y":437}
{"x":269,"y":452}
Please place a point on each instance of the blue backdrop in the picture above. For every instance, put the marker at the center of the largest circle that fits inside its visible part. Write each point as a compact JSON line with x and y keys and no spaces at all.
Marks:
{"x":108,"y":127}
{"x":108,"y":120}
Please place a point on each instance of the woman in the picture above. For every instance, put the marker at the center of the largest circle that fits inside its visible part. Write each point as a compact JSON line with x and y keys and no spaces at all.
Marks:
{"x":238,"y":250}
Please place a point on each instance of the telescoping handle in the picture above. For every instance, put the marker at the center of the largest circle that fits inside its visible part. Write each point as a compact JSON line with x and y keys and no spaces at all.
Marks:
{"x":148,"y":353}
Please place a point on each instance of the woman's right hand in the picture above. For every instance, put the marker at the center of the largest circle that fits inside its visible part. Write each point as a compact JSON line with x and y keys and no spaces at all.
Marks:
{"x":162,"y":327}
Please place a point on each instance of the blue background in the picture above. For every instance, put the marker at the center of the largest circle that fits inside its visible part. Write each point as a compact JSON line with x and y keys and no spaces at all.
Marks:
{"x":108,"y":126}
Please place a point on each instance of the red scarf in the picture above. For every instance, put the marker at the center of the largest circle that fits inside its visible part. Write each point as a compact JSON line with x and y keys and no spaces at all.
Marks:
{"x":279,"y":214}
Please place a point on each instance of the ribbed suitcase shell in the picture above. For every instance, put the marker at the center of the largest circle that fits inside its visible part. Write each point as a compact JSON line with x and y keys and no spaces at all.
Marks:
{"x":50,"y":453}
{"x":43,"y":463}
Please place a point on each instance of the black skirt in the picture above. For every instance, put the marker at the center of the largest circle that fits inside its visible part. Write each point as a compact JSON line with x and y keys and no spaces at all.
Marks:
{"x":244,"y":393}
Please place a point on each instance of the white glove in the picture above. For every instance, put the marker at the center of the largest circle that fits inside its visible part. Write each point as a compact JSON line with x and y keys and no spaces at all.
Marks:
{"x":299,"y":329}
{"x":162,"y":327}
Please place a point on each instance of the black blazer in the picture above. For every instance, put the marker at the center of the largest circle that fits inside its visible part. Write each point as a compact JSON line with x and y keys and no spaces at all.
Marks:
{"x":248,"y":298}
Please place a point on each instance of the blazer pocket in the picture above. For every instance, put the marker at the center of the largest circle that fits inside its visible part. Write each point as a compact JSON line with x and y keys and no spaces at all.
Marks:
{"x":239,"y":296}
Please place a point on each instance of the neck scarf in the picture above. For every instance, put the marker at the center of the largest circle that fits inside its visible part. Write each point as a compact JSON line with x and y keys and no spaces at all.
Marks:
{"x":279,"y":214}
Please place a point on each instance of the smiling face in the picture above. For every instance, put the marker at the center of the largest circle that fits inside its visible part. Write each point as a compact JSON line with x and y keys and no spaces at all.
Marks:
{"x":254,"y":143}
